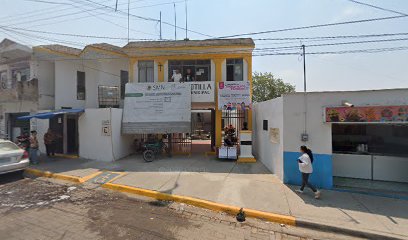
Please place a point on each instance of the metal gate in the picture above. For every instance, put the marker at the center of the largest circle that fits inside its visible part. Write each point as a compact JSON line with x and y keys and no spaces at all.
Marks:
{"x":236,"y":118}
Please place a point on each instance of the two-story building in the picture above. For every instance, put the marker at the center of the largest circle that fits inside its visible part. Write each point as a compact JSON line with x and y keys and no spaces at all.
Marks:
{"x":92,"y":81}
{"x":26,"y":86}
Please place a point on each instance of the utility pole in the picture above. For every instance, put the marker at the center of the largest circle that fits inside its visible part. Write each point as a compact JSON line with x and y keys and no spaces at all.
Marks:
{"x":186,"y":17}
{"x":160,"y":27}
{"x":128,"y":28}
{"x":175,"y":23}
{"x":304,"y":67}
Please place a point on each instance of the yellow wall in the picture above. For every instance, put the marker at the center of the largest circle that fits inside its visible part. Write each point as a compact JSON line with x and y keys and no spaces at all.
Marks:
{"x":218,"y":60}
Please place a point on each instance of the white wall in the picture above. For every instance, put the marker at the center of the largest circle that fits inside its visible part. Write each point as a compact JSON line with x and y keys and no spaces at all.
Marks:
{"x":93,"y":145}
{"x":45,"y":72}
{"x":123,"y":144}
{"x":102,"y":72}
{"x":270,"y":154}
{"x":320,"y":140}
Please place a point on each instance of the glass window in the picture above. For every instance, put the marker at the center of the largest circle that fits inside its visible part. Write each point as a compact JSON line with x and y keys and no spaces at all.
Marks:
{"x":7,"y":146}
{"x":124,"y":78}
{"x":146,"y":71}
{"x":235,"y":70}
{"x":80,"y":85}
{"x":189,"y":70}
{"x":384,"y":139}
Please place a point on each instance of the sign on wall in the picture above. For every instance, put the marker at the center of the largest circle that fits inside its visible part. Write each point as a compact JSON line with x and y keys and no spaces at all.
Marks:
{"x":106,"y":128}
{"x":367,"y":114}
{"x":157,"y":108}
{"x":234,"y":95}
{"x":202,"y":91}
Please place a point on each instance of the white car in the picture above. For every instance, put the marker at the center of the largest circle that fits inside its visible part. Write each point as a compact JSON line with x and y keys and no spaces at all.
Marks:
{"x":12,"y":157}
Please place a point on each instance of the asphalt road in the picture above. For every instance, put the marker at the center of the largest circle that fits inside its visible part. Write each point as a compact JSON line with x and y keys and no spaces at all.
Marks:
{"x":50,"y":209}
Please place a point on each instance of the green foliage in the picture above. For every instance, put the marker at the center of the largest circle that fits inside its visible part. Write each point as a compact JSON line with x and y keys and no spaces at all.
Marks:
{"x":266,"y":87}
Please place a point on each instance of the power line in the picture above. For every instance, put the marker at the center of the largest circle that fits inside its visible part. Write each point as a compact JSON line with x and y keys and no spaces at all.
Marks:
{"x":380,"y":8}
{"x":339,"y":43}
{"x":331,"y":37}
{"x":314,"y":26}
{"x":150,"y":19}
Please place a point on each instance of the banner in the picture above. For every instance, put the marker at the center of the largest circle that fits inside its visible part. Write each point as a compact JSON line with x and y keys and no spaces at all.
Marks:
{"x":157,"y":108}
{"x":368,"y":114}
{"x":202,"y":92}
{"x":234,"y":95}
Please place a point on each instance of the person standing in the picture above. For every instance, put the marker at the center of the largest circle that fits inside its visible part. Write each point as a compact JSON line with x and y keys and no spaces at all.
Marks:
{"x":177,"y":77}
{"x":33,"y":148}
{"x":306,"y":168}
{"x":49,"y":142}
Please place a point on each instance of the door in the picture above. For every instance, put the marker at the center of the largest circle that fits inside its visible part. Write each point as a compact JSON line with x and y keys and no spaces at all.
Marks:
{"x":72,"y":135}
{"x":57,"y":126}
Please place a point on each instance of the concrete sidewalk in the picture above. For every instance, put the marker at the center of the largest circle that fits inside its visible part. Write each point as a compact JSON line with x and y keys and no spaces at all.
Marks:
{"x":249,"y":186}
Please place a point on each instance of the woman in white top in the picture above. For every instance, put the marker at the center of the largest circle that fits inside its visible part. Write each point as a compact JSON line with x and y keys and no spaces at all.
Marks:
{"x":306,"y":168}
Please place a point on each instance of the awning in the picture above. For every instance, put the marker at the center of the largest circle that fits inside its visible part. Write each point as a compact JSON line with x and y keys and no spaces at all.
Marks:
{"x":48,"y":115}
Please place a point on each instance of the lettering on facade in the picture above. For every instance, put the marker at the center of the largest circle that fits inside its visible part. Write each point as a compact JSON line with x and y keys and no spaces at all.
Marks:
{"x":201,"y":88}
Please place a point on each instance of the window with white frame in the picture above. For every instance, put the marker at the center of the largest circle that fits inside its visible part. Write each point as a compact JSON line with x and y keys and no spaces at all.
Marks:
{"x":146,"y":71}
{"x":235,"y":69}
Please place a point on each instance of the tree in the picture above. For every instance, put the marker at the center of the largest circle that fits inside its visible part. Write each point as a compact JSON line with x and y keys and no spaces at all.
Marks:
{"x":266,"y":86}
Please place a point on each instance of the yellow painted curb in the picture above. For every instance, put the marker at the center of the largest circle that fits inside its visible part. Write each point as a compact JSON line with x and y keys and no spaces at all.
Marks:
{"x":47,"y":174}
{"x":288,"y":220}
{"x":210,"y":154}
{"x":66,"y":156}
{"x":246,"y":160}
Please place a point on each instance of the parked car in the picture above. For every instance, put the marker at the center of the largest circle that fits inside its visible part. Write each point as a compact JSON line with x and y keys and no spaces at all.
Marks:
{"x":12,"y":157}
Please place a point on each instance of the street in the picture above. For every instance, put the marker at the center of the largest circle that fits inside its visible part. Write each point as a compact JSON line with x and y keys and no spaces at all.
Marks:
{"x":51,"y":209}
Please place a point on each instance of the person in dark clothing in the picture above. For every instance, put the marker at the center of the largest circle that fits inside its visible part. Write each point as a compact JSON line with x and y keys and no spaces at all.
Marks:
{"x":49,"y":140}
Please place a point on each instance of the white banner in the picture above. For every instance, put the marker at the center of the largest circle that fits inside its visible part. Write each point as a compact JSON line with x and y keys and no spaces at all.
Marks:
{"x":202,"y":92}
{"x":234,"y":95}
{"x":157,"y":108}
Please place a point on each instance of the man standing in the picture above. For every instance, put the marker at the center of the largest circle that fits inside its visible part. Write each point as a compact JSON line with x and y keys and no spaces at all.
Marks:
{"x":33,"y":148}
{"x":49,"y":141}
{"x":177,"y":77}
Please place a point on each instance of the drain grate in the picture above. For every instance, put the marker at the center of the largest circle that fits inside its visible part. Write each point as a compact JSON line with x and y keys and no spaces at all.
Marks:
{"x":104,"y":177}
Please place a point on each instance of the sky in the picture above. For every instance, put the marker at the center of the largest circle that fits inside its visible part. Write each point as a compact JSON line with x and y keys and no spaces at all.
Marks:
{"x":217,"y":18}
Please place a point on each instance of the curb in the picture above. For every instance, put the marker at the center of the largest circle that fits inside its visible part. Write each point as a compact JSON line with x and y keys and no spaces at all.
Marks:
{"x":39,"y":173}
{"x":344,"y":231}
{"x":233,"y":210}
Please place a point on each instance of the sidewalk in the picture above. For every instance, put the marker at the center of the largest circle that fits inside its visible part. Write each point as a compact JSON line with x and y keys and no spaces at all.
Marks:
{"x":249,"y":186}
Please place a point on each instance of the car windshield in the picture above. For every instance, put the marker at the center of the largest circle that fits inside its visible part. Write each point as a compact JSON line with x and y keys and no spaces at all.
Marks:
{"x":8,"y":146}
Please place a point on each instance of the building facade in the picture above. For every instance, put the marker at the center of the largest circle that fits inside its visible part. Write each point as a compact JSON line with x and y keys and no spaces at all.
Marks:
{"x":357,"y":134}
{"x":26,"y":86}
{"x":94,"y":78}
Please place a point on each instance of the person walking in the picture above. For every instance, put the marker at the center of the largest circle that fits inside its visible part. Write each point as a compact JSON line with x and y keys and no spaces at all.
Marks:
{"x":49,"y":142}
{"x":33,"y":148}
{"x":306,"y":168}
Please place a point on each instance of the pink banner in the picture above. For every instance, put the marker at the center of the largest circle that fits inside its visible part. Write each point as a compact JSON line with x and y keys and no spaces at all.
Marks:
{"x":367,"y":114}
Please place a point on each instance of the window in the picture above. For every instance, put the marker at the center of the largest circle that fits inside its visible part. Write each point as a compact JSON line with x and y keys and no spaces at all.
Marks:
{"x":235,"y":70}
{"x":124,"y":78}
{"x":189,"y":71}
{"x":80,"y":85}
{"x":384,"y":139}
{"x":146,"y":71}
{"x":265,"y":125}
{"x":108,"y":96}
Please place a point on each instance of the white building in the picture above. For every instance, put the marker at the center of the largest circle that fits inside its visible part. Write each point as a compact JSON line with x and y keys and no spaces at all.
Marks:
{"x":90,"y":88}
{"x":355,"y":134}
{"x":26,"y":86}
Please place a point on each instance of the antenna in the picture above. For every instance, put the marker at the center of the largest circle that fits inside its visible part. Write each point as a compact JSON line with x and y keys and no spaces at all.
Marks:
{"x":185,"y":2}
{"x":160,"y":27}
{"x":175,"y":22}
{"x":128,"y":20}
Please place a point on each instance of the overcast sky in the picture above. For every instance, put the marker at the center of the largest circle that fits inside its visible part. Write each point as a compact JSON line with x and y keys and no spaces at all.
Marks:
{"x":229,"y":17}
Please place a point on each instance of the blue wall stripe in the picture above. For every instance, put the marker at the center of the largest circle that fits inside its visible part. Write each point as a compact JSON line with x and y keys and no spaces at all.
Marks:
{"x":322,"y":176}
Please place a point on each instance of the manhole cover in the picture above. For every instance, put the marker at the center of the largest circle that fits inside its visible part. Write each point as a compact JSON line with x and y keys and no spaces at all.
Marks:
{"x":104,"y":177}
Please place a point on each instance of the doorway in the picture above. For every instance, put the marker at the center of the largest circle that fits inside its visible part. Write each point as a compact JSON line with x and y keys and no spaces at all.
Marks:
{"x":17,"y":127}
{"x":57,"y":126}
{"x":72,"y":135}
{"x":202,"y":126}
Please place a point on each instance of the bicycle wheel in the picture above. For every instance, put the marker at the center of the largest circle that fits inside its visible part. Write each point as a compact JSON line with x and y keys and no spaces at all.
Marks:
{"x":148,"y":155}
